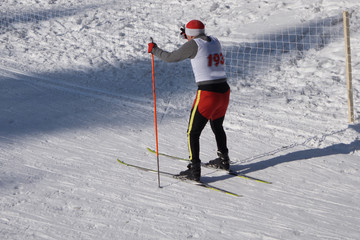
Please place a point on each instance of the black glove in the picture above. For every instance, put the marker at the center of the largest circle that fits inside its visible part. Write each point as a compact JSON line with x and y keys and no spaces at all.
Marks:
{"x":182,"y":33}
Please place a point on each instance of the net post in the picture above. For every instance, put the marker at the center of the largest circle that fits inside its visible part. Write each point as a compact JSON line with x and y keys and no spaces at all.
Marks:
{"x":348,"y":66}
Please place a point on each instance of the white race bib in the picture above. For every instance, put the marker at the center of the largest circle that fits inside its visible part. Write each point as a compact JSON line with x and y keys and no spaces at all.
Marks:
{"x":208,"y":64}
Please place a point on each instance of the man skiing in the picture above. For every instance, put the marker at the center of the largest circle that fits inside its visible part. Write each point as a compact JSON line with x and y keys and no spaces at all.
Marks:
{"x":212,"y":97}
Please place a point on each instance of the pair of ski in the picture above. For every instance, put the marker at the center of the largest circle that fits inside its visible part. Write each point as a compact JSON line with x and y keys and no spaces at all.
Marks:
{"x":201,"y":184}
{"x":167,"y":174}
{"x":230,"y":172}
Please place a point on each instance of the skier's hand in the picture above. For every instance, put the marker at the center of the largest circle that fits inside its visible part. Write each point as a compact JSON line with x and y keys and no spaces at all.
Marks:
{"x":182,"y":32}
{"x":151,"y":46}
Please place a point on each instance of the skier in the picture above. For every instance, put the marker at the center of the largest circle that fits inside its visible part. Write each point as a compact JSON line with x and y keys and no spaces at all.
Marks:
{"x":212,"y":97}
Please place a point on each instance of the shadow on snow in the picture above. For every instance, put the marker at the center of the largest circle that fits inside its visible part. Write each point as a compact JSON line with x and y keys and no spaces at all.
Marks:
{"x":27,"y":106}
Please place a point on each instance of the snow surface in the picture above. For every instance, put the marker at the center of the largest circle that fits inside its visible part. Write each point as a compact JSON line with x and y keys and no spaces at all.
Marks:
{"x":76,"y":94}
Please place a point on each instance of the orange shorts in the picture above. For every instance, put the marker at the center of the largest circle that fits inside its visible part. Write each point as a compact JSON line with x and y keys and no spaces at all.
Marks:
{"x":212,"y":105}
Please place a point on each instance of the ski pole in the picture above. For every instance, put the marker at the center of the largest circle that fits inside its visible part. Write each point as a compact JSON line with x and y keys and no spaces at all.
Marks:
{"x":155,"y":118}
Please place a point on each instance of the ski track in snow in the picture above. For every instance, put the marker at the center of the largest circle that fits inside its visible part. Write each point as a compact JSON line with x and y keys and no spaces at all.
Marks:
{"x":68,"y":112}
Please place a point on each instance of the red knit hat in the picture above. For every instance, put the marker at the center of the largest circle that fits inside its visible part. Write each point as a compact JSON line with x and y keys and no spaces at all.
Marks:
{"x":194,"y":28}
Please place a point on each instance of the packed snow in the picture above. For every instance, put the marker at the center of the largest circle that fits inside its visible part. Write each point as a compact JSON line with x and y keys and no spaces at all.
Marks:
{"x":76,"y":94}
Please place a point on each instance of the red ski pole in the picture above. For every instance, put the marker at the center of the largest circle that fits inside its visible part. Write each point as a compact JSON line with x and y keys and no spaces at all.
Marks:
{"x":156,"y":131}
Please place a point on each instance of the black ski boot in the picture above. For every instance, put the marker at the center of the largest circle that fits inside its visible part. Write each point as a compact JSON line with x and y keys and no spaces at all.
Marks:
{"x":222,"y":162}
{"x":192,"y":173}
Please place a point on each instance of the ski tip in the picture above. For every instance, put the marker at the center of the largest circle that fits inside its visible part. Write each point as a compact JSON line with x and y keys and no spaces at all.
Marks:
{"x":122,"y":162}
{"x":150,"y":150}
{"x":262,"y":181}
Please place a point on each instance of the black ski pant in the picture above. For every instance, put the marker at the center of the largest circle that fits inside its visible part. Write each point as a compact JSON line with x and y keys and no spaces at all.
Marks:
{"x":196,"y":126}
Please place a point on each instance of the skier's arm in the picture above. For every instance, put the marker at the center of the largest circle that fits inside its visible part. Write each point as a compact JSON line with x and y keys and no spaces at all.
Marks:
{"x":188,"y":50}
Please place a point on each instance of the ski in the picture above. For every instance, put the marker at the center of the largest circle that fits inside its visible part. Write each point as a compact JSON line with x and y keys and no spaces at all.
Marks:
{"x":233,"y":173}
{"x":166,"y":155}
{"x":167,"y":174}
